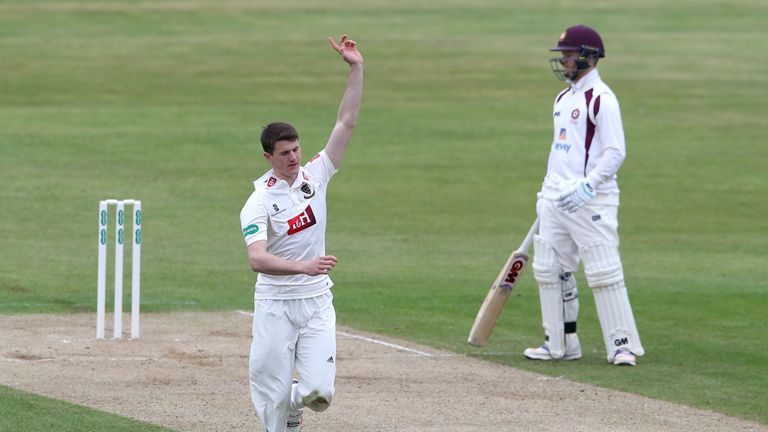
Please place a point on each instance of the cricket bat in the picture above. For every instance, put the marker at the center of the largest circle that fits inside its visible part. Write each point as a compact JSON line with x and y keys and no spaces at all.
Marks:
{"x":499,"y":293}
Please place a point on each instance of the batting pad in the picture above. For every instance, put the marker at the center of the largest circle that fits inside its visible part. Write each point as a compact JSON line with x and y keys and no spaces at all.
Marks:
{"x":605,"y":276}
{"x":547,"y":271}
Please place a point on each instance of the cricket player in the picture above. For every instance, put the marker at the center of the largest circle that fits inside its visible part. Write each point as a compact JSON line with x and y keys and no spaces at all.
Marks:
{"x":578,"y":208}
{"x":283,"y":222}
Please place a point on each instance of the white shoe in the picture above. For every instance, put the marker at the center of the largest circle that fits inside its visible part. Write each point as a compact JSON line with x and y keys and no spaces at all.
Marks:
{"x":624,"y":358}
{"x":542,"y":353}
{"x":295,"y":420}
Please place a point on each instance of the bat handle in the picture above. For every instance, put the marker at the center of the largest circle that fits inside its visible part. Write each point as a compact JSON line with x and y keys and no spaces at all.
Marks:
{"x":529,"y":237}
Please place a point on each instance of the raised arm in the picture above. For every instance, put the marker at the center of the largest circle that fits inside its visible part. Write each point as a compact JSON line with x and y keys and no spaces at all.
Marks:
{"x":350,"y":103}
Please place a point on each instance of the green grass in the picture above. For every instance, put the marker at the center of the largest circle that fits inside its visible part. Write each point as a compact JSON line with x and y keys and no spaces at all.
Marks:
{"x":22,"y":412}
{"x":164,"y":100}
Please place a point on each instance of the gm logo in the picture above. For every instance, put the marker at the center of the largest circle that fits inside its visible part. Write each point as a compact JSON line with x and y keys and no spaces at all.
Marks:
{"x":513,"y":273}
{"x":620,"y":342}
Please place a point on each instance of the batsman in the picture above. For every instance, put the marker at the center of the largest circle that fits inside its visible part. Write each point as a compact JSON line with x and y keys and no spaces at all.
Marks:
{"x":578,"y":209}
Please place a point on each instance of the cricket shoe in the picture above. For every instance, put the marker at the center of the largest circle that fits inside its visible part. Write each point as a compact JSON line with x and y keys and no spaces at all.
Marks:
{"x":624,"y":358}
{"x":295,"y":420}
{"x":542,"y":353}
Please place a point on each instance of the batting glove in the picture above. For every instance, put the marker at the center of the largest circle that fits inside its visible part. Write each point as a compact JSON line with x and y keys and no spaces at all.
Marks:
{"x":574,"y":195}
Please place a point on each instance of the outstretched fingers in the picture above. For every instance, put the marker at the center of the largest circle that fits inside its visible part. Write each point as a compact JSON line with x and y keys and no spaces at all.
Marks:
{"x":337,"y":46}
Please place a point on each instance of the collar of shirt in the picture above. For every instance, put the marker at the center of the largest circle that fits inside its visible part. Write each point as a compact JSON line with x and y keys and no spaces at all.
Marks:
{"x":301,"y":178}
{"x":586,"y":81}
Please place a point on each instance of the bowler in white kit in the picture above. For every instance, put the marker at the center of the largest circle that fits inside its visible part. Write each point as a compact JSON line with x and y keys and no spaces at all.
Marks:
{"x":578,"y":209}
{"x":283,"y":223}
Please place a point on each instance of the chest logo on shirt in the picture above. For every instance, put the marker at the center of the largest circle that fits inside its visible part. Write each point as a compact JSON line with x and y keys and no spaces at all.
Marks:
{"x":562,"y":134}
{"x":271,"y":182}
{"x":308,"y":191}
{"x":575,"y":114}
{"x":302,"y":221}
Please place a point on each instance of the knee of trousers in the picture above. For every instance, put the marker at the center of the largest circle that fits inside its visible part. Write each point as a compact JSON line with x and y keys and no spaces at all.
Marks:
{"x":546,"y":269}
{"x":318,"y":399}
{"x":602,"y":265}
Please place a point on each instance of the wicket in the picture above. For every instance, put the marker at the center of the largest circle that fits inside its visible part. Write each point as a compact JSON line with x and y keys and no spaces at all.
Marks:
{"x":101,"y":287}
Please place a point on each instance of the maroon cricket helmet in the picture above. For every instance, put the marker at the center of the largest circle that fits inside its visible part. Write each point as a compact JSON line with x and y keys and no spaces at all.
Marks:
{"x":581,"y":38}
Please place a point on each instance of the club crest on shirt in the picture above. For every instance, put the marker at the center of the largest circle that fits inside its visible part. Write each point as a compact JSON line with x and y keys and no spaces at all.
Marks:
{"x":307,"y":189}
{"x":575,"y":113}
{"x":302,"y":221}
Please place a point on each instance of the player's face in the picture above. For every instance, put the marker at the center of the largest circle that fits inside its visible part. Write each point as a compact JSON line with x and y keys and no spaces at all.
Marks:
{"x":570,"y":70}
{"x":285,"y":159}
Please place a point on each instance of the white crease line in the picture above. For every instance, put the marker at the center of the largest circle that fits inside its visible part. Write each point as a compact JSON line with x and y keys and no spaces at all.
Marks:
{"x":16,"y":360}
{"x":367,"y":339}
{"x":387,"y":344}
{"x":77,"y":359}
{"x":492,"y":353}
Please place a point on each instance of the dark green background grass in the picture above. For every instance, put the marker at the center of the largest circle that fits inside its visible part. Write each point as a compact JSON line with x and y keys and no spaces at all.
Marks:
{"x":21,"y":411}
{"x":163,"y":101}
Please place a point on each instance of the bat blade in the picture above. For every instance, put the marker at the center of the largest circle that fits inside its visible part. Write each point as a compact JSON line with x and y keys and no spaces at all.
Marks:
{"x":498,"y":294}
{"x":496,"y":299}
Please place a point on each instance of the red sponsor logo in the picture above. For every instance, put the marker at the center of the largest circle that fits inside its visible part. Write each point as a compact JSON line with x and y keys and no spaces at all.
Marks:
{"x":314,"y":157}
{"x":301,"y":222}
{"x":514,"y":273}
{"x":271,"y":182}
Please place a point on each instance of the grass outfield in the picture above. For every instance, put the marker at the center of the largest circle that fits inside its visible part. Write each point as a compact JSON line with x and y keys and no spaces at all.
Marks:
{"x":163,"y":101}
{"x":21,"y":411}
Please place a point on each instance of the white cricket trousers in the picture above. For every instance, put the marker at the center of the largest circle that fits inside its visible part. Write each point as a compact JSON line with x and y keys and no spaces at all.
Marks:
{"x":290,"y":334}
{"x":590,"y":236}
{"x":567,"y":232}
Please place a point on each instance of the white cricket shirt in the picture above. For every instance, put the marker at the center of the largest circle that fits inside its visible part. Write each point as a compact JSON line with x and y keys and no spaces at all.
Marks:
{"x":291,"y":218}
{"x":588,"y":140}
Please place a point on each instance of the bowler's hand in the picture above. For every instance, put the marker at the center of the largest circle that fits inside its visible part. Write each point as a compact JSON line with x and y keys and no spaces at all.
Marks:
{"x":320,"y":265}
{"x":348,"y":50}
{"x":574,"y":195}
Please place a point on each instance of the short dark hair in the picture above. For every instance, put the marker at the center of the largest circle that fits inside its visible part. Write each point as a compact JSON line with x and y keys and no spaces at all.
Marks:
{"x":277,"y":131}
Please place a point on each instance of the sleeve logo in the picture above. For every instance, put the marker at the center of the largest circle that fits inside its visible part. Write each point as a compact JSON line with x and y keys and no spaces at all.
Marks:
{"x":302,"y":221}
{"x":250,"y":230}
